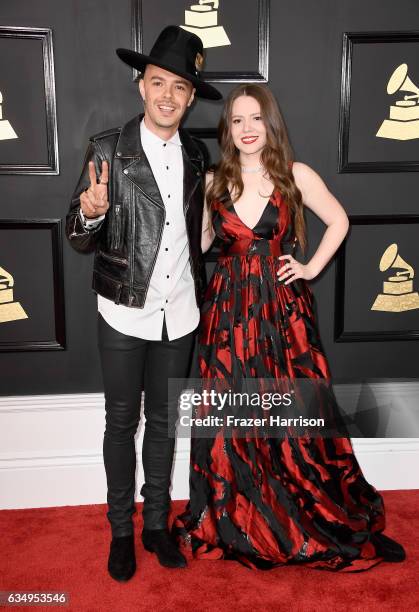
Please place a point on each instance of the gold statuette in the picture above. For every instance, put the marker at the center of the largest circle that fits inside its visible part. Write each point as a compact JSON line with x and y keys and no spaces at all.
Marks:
{"x":6,"y":130}
{"x":202,"y":19}
{"x":9,"y":310}
{"x":398,"y":294}
{"x":403,"y":123}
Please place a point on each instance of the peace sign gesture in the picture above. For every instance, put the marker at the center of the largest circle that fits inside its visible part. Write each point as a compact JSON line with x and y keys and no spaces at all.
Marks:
{"x":94,"y":200}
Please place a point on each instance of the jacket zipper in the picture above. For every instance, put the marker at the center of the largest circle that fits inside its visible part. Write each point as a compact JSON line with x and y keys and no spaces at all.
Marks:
{"x":116,"y":239}
{"x":131,"y":281}
{"x":114,"y":258}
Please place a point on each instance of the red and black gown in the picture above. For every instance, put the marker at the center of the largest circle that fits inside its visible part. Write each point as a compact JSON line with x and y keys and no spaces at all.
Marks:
{"x":268,"y":502}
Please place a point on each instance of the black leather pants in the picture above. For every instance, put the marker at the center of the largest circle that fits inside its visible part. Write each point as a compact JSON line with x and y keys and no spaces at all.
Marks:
{"x":129,"y":366}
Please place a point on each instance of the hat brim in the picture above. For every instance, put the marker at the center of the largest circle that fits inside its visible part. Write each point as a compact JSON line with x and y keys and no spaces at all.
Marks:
{"x":140,"y":61}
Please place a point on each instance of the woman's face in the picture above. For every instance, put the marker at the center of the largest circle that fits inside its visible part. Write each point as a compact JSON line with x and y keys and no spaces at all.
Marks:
{"x":247,"y":127}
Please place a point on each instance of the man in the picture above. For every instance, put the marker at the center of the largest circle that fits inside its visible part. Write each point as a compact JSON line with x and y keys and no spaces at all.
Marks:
{"x":138,"y":205}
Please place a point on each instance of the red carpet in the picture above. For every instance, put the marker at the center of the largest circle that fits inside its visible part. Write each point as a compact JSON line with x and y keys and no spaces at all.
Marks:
{"x":66,"y":549}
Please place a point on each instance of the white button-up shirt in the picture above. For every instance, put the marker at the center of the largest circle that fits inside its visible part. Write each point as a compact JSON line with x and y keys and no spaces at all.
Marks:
{"x":171,"y":291}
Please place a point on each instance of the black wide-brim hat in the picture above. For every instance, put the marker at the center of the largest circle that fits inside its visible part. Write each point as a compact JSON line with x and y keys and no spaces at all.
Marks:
{"x":177,"y":51}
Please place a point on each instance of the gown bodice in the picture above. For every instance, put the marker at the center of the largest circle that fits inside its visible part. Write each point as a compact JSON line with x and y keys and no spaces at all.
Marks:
{"x":273,"y":233}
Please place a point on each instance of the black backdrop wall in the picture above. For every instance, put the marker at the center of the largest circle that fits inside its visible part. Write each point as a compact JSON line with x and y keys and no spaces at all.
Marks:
{"x":95,"y":91}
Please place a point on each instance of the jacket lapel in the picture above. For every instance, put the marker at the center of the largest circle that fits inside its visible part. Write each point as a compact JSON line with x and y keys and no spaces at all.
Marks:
{"x":136,"y":166}
{"x":137,"y":169}
{"x":191,"y":180}
{"x":192,"y":174}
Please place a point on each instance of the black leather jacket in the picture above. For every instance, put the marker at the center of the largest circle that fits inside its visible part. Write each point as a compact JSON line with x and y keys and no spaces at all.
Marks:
{"x":127,"y":242}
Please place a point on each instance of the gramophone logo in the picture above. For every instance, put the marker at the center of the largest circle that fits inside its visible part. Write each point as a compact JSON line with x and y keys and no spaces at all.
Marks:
{"x":6,"y":130}
{"x":403,"y":123}
{"x":202,"y":19}
{"x":9,"y":310}
{"x":398,"y":294}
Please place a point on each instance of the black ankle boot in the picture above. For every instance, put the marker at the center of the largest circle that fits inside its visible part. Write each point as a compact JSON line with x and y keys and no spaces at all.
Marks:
{"x":160,"y":542}
{"x":121,"y":562}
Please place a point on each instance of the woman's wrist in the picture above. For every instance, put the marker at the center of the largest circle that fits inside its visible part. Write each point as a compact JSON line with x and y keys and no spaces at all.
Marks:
{"x":313,"y":269}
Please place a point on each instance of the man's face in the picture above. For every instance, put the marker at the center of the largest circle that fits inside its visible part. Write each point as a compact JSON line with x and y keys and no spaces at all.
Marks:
{"x":166,"y":96}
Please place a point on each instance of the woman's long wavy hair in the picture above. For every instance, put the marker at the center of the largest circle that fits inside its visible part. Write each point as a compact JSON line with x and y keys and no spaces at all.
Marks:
{"x":275,"y":157}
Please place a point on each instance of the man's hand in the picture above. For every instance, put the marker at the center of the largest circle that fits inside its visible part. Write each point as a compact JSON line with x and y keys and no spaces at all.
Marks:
{"x":94,"y":201}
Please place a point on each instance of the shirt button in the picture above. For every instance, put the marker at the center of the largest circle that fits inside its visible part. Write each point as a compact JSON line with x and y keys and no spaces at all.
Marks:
{"x":167,"y":301}
{"x":167,"y":223}
{"x":125,"y":171}
{"x":167,"y":167}
{"x":167,"y":276}
{"x":168,"y":195}
{"x":162,"y":309}
{"x":119,"y":154}
{"x":165,"y":144}
{"x":166,"y":249}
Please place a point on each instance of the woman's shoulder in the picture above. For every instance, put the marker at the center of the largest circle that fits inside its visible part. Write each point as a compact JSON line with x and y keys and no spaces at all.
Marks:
{"x":209,"y":175}
{"x":216,"y":200}
{"x":297,"y":166}
{"x":303,"y":174}
{"x":302,"y":169}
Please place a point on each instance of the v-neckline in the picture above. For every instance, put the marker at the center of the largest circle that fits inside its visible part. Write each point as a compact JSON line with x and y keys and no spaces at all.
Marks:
{"x":252,"y":229}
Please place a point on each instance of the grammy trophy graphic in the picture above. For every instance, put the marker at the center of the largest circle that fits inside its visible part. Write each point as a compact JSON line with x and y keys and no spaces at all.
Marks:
{"x":9,"y":310}
{"x":202,"y":19}
{"x":403,"y":123}
{"x":6,"y":130}
{"x":398,"y":294}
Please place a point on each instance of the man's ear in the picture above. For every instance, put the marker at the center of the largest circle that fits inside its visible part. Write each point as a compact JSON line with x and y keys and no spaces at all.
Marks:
{"x":191,"y":99}
{"x":141,"y":88}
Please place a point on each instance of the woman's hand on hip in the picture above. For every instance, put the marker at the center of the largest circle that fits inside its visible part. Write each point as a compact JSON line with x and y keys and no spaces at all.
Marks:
{"x":293,"y":269}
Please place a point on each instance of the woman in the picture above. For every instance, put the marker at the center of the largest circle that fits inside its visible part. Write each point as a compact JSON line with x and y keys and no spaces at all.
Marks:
{"x":272,"y":501}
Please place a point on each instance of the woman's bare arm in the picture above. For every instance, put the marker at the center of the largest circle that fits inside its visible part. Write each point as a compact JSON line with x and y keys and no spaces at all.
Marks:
{"x":208,"y":233}
{"x":323,"y":203}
